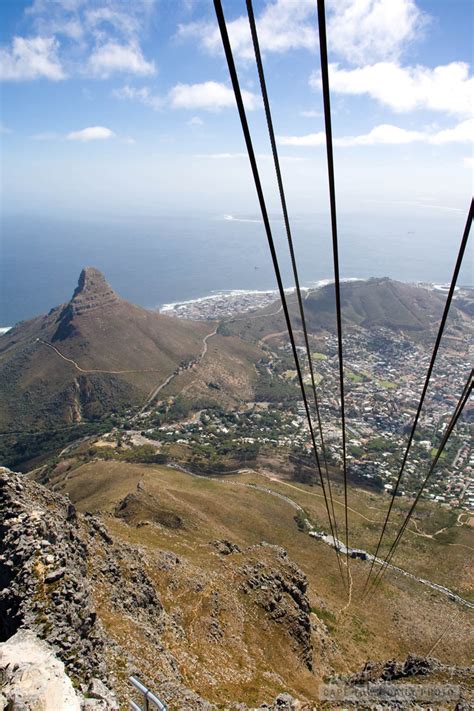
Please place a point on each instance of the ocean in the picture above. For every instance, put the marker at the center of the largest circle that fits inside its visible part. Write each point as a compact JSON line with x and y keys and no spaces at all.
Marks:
{"x":155,"y":261}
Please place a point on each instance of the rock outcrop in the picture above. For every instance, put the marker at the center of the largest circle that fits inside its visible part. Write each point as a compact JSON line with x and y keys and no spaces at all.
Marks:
{"x":139,"y":508}
{"x":44,"y":577}
{"x":33,"y":677}
{"x":282,"y":594}
{"x":92,"y":291}
{"x":67,"y":585}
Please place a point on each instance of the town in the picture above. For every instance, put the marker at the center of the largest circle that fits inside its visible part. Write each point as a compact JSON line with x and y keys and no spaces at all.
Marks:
{"x":384,"y":374}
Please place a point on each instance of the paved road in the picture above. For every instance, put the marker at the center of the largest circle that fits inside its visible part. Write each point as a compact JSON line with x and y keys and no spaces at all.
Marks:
{"x":326,"y":538}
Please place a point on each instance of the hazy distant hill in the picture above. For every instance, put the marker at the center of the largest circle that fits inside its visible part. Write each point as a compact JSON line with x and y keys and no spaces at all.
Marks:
{"x":100,"y":332}
{"x":372,"y":303}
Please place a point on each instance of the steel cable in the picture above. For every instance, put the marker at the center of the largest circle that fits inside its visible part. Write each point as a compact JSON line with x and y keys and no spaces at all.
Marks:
{"x":276,"y":161}
{"x":332,"y":199}
{"x":442,"y":325}
{"x":268,"y":232}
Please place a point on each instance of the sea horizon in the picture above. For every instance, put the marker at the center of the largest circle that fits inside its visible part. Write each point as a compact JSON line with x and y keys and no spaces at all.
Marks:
{"x":154,"y":262}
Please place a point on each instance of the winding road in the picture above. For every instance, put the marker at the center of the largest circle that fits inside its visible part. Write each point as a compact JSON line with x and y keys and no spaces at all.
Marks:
{"x":155,"y":390}
{"x":326,"y":538}
{"x":174,"y":374}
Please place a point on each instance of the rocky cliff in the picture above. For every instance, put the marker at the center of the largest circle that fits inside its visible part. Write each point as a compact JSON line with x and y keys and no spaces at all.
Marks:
{"x":68,"y":589}
{"x":44,"y":578}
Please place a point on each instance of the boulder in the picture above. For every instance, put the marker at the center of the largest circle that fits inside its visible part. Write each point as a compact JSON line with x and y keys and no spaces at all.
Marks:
{"x":34,"y":679}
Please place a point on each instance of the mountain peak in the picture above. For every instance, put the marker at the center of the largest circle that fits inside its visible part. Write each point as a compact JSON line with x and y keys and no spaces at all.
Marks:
{"x":91,"y":280}
{"x":92,"y":291}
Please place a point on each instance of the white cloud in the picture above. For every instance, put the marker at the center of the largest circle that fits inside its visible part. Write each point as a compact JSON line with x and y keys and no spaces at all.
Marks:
{"x":209,"y":96}
{"x":282,"y":25}
{"x":364,"y":31}
{"x":31,"y":58}
{"x":143,"y":95}
{"x":195,"y":121}
{"x":447,"y":88}
{"x":59,"y":18}
{"x":92,"y":133}
{"x":100,"y":20}
{"x":311,"y":113}
{"x":469,"y":161}
{"x":358,"y":30}
{"x":101,"y":36}
{"x":462,"y":133}
{"x":386,"y":134}
{"x":111,"y":58}
{"x":310,"y":139}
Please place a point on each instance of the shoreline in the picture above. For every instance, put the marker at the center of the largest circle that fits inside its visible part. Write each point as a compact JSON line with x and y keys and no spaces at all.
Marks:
{"x":228,"y":302}
{"x":240,"y":301}
{"x":236,"y":300}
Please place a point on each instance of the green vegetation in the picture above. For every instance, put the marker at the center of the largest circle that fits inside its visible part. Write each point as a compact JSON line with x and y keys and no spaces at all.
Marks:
{"x":145,"y":454}
{"x":301,"y":521}
{"x":326,"y":616}
{"x":434,"y":452}
{"x":16,"y":450}
{"x":387,"y":384}
{"x":355,"y":451}
{"x":354,"y":377}
{"x":272,"y":388}
{"x":381,"y":444}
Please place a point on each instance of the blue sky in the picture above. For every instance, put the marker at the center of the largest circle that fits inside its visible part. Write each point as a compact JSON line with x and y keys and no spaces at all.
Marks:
{"x":113,"y":107}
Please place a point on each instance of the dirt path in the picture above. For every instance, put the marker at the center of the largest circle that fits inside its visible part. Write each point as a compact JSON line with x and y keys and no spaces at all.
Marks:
{"x":174,"y":374}
{"x":92,"y":370}
{"x":313,"y":493}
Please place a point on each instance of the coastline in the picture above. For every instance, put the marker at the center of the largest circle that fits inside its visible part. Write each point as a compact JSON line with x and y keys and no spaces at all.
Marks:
{"x":227,"y":303}
{"x":233,"y":301}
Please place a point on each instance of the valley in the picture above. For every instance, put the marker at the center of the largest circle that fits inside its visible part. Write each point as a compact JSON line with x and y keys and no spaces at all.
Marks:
{"x":194,"y":456}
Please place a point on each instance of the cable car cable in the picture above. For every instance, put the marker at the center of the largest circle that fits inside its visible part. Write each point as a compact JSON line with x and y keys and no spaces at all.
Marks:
{"x":457,"y":412}
{"x":268,"y":231}
{"x":442,"y":325}
{"x":332,"y":199}
{"x":276,"y":160}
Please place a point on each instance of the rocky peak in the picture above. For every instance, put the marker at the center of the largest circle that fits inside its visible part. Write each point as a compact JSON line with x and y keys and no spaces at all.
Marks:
{"x":92,"y":291}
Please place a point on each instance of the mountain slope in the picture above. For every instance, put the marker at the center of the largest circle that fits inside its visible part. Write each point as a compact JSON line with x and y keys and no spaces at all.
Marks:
{"x":99,"y":354}
{"x":88,"y":357}
{"x":259,"y":603}
{"x":365,"y":304}
{"x":376,"y":303}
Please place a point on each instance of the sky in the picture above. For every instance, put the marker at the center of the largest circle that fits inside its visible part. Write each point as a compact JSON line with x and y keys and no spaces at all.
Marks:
{"x":111,"y":107}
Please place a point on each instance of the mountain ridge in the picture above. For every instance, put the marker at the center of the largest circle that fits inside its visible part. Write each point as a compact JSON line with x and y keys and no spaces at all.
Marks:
{"x":111,"y":354}
{"x":105,"y":355}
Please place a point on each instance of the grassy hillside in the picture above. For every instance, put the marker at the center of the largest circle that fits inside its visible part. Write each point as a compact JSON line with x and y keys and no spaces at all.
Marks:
{"x":365,"y":304}
{"x":99,"y":354}
{"x":159,"y":508}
